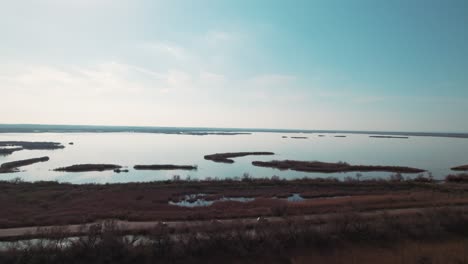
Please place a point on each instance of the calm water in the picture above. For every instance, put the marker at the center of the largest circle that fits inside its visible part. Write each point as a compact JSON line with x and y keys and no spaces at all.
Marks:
{"x":434,"y":154}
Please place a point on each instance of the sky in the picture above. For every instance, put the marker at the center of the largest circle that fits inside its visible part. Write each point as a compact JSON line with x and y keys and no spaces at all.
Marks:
{"x":398,"y":65}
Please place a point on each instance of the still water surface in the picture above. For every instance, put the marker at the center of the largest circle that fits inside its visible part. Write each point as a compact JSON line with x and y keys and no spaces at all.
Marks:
{"x":434,"y":154}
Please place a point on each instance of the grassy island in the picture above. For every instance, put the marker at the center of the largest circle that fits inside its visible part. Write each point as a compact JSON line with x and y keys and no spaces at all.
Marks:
{"x":12,"y":166}
{"x":226,"y":157}
{"x":165,"y":167}
{"x":388,"y":137}
{"x":317,"y":166}
{"x":89,"y":167}
{"x":32,"y":145}
{"x":460,"y":168}
{"x":215,"y":133}
{"x":8,"y":151}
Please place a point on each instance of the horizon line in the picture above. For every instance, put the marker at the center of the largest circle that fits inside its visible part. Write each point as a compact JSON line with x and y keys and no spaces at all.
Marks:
{"x":239,"y":128}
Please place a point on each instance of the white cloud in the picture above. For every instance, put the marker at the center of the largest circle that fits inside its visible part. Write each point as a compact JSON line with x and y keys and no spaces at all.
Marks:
{"x":166,"y":49}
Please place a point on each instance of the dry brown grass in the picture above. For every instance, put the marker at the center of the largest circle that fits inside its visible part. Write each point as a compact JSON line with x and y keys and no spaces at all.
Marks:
{"x":48,"y":203}
{"x":417,"y":252}
{"x":434,"y":236}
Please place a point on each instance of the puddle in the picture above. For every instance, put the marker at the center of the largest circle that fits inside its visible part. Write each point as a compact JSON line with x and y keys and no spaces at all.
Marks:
{"x":195,"y":200}
{"x":295,"y":197}
{"x":198,"y":200}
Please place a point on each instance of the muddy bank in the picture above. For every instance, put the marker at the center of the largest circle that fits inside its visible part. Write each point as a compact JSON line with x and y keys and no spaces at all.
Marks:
{"x":89,"y":167}
{"x":165,"y":167}
{"x":317,"y":166}
{"x":226,"y":157}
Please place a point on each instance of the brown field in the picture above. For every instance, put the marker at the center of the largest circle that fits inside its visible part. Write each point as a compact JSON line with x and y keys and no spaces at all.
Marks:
{"x":50,"y":203}
{"x":352,"y":221}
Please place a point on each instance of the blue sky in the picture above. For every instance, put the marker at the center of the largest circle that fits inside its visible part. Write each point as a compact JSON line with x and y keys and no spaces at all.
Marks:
{"x":357,"y":65}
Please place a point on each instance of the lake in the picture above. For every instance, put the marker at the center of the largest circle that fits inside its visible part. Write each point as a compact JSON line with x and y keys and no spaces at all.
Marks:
{"x":435,"y":154}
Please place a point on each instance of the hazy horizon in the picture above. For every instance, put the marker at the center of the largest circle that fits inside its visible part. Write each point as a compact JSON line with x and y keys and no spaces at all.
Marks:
{"x":246,"y":129}
{"x":308,"y":65}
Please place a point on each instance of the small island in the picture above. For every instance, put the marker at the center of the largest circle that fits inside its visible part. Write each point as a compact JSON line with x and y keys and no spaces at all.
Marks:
{"x":388,"y":137}
{"x":215,"y":133}
{"x":32,"y":145}
{"x":460,"y":168}
{"x":165,"y":167}
{"x":326,"y":167}
{"x":12,"y":166}
{"x":299,"y":137}
{"x":340,"y":136}
{"x":89,"y":167}
{"x":226,"y":157}
{"x":8,"y":151}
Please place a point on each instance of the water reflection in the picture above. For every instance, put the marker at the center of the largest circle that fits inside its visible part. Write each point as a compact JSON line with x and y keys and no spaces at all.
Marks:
{"x":436,"y":155}
{"x":196,"y":200}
